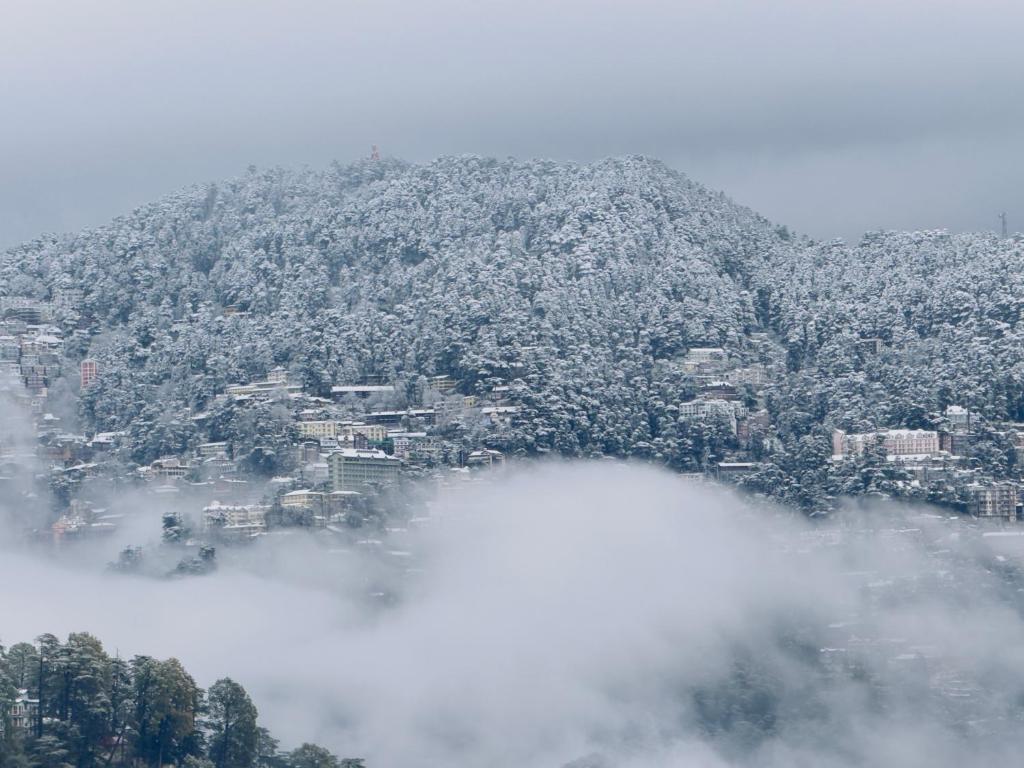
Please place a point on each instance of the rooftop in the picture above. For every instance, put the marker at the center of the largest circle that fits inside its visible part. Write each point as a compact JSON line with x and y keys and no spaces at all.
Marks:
{"x":363,"y":453}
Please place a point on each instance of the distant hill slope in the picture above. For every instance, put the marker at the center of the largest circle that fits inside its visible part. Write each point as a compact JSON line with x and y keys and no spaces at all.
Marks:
{"x":580,"y":278}
{"x":577,"y":287}
{"x":947,"y":310}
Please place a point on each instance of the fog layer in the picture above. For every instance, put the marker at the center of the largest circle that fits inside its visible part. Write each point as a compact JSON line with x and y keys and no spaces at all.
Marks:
{"x":592,"y":609}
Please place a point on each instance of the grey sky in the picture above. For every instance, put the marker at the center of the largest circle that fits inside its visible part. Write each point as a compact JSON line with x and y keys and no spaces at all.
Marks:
{"x":832,"y":117}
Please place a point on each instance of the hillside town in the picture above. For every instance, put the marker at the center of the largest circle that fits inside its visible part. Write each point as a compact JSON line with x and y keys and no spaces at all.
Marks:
{"x":344,"y":450}
{"x":328,"y":461}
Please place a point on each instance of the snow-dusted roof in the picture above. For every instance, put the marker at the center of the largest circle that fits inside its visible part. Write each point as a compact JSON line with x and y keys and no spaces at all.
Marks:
{"x":363,"y":453}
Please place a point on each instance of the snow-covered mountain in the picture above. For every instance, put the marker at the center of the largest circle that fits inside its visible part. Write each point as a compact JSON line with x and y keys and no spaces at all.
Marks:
{"x":579,"y":278}
{"x":577,"y":287}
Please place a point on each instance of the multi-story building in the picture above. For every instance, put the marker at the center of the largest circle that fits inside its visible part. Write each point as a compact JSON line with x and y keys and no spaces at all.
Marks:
{"x":895,"y":442}
{"x":701,"y":410}
{"x":318,"y":429}
{"x":705,"y":354}
{"x":277,"y":376}
{"x":42,"y":344}
{"x":755,"y":375}
{"x":500,"y":415}
{"x":705,"y":360}
{"x":443,"y":384}
{"x":910,"y":442}
{"x":209,"y":450}
{"x":869,"y":346}
{"x":68,"y":298}
{"x":308,"y":451}
{"x":22,"y":308}
{"x":10,"y":348}
{"x":11,"y":326}
{"x":485,"y":458}
{"x":995,"y":500}
{"x":374,"y":433}
{"x":956,"y":443}
{"x":168,"y":468}
{"x":309,"y":506}
{"x":719,"y":390}
{"x":959,"y":418}
{"x":303,"y":498}
{"x":24,"y":711}
{"x":276,"y":382}
{"x":353,"y":469}
{"x":89,"y":370}
{"x":361,"y":390}
{"x":235,"y":519}
{"x":394,"y":418}
{"x":734,"y":471}
{"x":412,"y":445}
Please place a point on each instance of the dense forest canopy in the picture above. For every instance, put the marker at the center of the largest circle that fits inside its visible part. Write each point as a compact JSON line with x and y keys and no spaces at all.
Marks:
{"x":577,"y":287}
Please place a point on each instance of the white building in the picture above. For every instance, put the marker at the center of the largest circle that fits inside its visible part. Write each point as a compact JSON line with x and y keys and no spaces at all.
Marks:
{"x":959,"y":418}
{"x":167,"y":468}
{"x":995,"y":500}
{"x":303,"y":498}
{"x":704,"y":359}
{"x":485,"y":458}
{"x":237,"y":519}
{"x":24,"y":711}
{"x":705,"y":354}
{"x":500,"y":415}
{"x":209,"y":450}
{"x":353,"y":469}
{"x":701,"y":410}
{"x":409,"y":445}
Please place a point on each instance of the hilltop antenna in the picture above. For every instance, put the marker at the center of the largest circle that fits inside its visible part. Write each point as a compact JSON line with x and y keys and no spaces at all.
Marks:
{"x":375,"y":155}
{"x":1002,"y":219}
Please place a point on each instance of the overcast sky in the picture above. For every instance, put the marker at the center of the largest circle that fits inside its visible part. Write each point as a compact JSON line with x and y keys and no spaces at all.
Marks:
{"x":832,"y":117}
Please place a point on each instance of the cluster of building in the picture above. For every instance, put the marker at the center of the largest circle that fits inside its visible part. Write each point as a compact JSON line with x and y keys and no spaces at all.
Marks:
{"x":347,"y":448}
{"x":724,"y":385}
{"x":32,"y":346}
{"x":364,"y":435}
{"x":726,"y":388}
{"x":940,"y":456}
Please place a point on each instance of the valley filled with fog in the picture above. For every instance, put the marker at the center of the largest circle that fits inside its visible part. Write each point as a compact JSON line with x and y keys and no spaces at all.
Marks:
{"x":594,"y":611}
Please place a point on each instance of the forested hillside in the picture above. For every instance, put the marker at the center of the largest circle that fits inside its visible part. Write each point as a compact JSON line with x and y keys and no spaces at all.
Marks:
{"x":574,"y":290}
{"x":945,"y":312}
{"x":571,"y":283}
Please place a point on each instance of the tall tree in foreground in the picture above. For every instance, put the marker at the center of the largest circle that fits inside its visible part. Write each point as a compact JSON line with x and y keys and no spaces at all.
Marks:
{"x":166,"y":702}
{"x":231,"y":725}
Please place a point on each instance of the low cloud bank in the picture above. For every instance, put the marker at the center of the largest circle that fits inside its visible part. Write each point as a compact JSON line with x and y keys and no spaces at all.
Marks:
{"x":593,"y":612}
